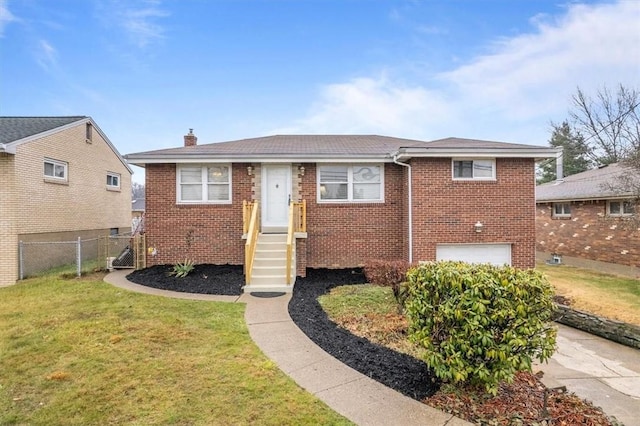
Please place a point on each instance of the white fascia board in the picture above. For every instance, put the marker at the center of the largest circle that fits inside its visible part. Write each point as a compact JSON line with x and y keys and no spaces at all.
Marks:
{"x":7,"y":148}
{"x":106,"y":139}
{"x":536,"y":153}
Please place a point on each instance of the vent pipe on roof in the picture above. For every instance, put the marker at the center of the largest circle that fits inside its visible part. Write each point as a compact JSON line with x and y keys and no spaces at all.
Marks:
{"x":190,"y":139}
{"x":559,"y":168}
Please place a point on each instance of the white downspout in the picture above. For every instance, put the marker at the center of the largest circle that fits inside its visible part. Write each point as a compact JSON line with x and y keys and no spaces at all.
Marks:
{"x":395,"y":160}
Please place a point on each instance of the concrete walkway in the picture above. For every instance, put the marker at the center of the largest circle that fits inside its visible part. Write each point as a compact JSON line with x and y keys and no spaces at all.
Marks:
{"x":357,"y":397}
{"x":601,"y":371}
{"x":598,"y":370}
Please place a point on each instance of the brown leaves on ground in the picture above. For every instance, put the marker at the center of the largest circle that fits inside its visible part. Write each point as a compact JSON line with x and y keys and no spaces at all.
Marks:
{"x":519,"y":403}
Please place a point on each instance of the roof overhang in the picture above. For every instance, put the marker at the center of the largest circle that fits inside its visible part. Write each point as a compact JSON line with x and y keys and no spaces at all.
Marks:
{"x":538,"y":154}
{"x":7,"y":148}
{"x":141,"y":160}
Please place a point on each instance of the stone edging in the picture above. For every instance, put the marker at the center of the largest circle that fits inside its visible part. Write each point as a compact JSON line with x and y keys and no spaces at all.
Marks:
{"x":617,"y":331}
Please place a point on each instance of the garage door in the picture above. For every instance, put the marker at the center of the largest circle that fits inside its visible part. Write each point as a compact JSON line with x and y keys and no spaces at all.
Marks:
{"x":497,"y":254}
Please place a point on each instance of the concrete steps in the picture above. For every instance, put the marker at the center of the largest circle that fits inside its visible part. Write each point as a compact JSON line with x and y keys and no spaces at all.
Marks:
{"x":270,"y":265}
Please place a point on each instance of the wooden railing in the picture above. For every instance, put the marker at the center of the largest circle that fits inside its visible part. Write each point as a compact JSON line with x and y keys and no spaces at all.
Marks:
{"x":297,"y":223}
{"x":251,"y":227}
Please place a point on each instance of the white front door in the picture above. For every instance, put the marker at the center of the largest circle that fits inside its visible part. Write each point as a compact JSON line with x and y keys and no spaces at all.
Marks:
{"x":276,"y":193}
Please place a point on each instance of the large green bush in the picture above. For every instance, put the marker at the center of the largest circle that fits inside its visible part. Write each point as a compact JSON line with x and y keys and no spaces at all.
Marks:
{"x":480,"y":323}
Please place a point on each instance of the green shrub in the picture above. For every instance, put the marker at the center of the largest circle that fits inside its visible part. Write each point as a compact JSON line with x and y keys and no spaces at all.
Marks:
{"x":181,"y":270}
{"x":480,"y":324}
{"x":389,"y":273}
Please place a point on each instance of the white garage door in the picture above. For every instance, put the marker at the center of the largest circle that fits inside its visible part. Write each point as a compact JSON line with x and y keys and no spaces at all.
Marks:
{"x":497,"y":254}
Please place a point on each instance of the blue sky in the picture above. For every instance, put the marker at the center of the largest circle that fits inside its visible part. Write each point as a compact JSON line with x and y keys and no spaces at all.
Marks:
{"x":148,"y":70}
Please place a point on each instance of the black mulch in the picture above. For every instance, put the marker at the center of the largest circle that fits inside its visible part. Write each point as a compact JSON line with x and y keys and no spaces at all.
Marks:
{"x":225,"y":280}
{"x":398,"y":371}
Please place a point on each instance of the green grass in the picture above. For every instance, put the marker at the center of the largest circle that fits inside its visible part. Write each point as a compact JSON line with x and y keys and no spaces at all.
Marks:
{"x":80,"y":352}
{"x":358,"y":300}
{"x":612,"y":296}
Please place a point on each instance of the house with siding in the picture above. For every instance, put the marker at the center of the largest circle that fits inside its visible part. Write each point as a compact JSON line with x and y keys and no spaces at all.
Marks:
{"x":62,"y":179}
{"x":588,"y":216}
{"x":281,"y":204}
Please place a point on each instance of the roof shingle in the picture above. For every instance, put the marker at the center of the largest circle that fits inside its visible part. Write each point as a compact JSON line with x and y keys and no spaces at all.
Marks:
{"x":15,"y":128}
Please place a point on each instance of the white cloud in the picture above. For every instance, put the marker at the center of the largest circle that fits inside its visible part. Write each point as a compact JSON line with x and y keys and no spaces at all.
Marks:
{"x":46,"y":55}
{"x":5,"y":16}
{"x":139,"y":19}
{"x":510,"y":94}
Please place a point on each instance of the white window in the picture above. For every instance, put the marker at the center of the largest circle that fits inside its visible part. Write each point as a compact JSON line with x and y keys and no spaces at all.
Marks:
{"x":55,"y":169}
{"x":474,"y":169}
{"x":113,"y":181}
{"x":562,"y":209}
{"x":209,"y":183}
{"x":620,"y":208}
{"x":351,"y":182}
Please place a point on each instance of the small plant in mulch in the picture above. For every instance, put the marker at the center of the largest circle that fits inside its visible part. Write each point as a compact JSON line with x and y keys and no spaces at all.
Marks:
{"x":182,"y":269}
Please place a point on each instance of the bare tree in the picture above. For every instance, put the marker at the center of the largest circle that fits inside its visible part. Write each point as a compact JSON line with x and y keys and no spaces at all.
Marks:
{"x":610,"y":123}
{"x":137,"y":190}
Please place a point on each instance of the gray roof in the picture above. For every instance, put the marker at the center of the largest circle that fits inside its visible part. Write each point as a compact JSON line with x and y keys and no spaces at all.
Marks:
{"x":138,"y":205}
{"x":16,"y":128}
{"x":318,"y":146}
{"x":593,"y":184}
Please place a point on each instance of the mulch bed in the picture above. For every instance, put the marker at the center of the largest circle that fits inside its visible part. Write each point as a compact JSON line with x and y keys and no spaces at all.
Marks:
{"x":204,"y":279}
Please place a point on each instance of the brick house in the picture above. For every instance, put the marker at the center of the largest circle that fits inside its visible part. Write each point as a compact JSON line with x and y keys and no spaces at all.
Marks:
{"x":584,"y":216}
{"x":357,"y":197}
{"x":61,"y":179}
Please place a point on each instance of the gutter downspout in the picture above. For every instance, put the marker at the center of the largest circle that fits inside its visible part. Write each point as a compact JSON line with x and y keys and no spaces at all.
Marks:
{"x":410,"y":206}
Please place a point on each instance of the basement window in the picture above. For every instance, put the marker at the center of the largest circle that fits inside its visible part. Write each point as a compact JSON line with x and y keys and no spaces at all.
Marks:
{"x":561,"y":209}
{"x":620,"y":208}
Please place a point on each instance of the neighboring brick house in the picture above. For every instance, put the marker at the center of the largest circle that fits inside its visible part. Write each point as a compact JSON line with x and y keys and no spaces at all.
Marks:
{"x":584,"y":216}
{"x":367,"y":197}
{"x":61,"y":179}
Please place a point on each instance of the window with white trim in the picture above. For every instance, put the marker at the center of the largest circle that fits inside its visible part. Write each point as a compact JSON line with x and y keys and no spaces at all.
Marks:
{"x":620,"y":208}
{"x":54,"y":169}
{"x":210,"y":183}
{"x":113,"y":180}
{"x":562,"y":209}
{"x":351,"y":183}
{"x":484,"y":169}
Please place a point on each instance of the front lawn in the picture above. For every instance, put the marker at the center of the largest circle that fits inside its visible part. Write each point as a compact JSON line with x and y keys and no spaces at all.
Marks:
{"x":79,"y":352}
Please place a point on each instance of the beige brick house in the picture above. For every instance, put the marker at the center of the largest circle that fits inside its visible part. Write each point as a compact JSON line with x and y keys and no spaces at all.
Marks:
{"x":586,"y":216}
{"x":61,"y":179}
{"x":337,"y":201}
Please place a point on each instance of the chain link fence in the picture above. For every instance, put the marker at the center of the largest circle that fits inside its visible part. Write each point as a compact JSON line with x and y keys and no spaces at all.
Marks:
{"x":81,"y":255}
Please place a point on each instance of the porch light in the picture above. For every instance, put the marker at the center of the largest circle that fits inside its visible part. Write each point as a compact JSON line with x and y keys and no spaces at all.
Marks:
{"x":249,"y":170}
{"x":301,"y":170}
{"x":478,"y":226}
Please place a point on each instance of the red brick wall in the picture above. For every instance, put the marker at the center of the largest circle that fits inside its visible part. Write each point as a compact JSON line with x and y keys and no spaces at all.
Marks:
{"x":589,"y":233}
{"x":209,"y":233}
{"x":445,"y":211}
{"x":349,"y":234}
